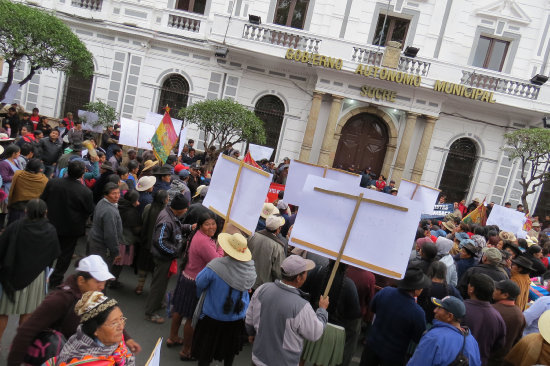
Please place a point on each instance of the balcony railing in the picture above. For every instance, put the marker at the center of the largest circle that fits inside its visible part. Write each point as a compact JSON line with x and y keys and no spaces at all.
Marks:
{"x":187,"y":22}
{"x":500,"y":85}
{"x":406,"y":64}
{"x":88,"y":4}
{"x":280,"y":38}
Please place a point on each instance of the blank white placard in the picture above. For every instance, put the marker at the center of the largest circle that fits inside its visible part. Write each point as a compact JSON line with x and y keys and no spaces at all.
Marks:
{"x":507,"y":219}
{"x":374,"y":243}
{"x":129,"y":130}
{"x":249,"y":196}
{"x":259,"y":152}
{"x":299,"y":171}
{"x":146,"y":133}
{"x":425,"y":196}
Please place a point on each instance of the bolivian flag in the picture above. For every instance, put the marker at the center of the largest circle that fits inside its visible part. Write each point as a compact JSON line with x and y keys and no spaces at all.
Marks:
{"x":477,"y":216}
{"x":164,"y":138}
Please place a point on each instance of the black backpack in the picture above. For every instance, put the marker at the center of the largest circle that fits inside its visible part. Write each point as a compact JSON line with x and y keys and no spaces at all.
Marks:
{"x":461,"y":359}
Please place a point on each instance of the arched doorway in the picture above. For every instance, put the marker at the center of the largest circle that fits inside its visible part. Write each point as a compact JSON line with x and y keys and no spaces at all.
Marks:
{"x":459,"y":169}
{"x":271,"y":110}
{"x":362,"y":144}
{"x":77,"y":94}
{"x":174,"y":93}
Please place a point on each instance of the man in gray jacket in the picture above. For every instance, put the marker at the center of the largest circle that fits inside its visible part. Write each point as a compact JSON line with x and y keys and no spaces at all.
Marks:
{"x":278,"y":318}
{"x":268,"y":251}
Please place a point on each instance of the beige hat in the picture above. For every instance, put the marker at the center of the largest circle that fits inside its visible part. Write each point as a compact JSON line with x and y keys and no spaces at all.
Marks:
{"x":530,"y":241}
{"x":235,"y":246}
{"x":144,"y":183}
{"x":536,"y":224}
{"x":149,"y":164}
{"x":199,"y":190}
{"x":268,"y":209}
{"x":506,"y":235}
{"x":92,"y":304}
{"x":274,"y":222}
{"x":449,"y":225}
{"x":544,"y":325}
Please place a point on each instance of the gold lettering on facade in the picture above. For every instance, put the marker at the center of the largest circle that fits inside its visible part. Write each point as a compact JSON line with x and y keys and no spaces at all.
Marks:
{"x":464,"y":91}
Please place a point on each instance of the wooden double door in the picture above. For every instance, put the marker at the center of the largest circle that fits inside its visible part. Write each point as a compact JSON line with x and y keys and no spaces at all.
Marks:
{"x":363,"y":144}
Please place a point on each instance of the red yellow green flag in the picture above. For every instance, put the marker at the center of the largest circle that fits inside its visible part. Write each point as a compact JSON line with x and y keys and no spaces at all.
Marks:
{"x":477,"y":216}
{"x":165,"y":137}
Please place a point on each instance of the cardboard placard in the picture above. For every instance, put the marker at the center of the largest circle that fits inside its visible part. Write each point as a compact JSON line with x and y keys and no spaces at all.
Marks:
{"x":373,"y":243}
{"x":88,"y":119}
{"x":237,"y":190}
{"x":299,"y":171}
{"x":129,"y":131}
{"x":426,"y":197}
{"x":507,"y":219}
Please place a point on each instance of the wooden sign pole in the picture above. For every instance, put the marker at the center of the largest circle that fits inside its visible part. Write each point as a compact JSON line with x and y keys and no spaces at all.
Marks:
{"x":343,"y":246}
{"x":227,"y":217}
{"x":415,"y":189}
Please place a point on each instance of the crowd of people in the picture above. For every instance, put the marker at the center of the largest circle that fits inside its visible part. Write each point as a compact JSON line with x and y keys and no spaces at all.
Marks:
{"x":470,"y":292}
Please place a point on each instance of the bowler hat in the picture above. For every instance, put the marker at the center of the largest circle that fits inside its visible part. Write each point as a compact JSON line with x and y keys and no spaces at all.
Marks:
{"x":523,"y":262}
{"x":414,"y":279}
{"x":164,"y":170}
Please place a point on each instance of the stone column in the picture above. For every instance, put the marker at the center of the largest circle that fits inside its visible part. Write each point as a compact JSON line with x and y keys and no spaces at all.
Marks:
{"x":403,"y":151}
{"x":328,"y":149}
{"x":307,"y":143}
{"x":420,"y":161}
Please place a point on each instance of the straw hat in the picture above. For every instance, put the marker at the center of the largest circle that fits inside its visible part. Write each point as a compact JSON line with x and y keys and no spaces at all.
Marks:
{"x":199,"y":190}
{"x":235,"y":246}
{"x":506,"y":235}
{"x":449,"y":225}
{"x":269,"y":209}
{"x":544,"y":326}
{"x":149,"y":164}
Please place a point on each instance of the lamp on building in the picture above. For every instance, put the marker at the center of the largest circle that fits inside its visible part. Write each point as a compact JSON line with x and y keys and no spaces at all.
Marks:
{"x":254,"y":19}
{"x":539,"y":79}
{"x":411,"y":51}
{"x":221,"y":52}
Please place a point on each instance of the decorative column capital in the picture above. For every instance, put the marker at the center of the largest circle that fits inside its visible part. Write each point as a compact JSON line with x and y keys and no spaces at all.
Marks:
{"x":337,"y":98}
{"x":318,"y":94}
{"x":413,"y":115}
{"x":431,"y":119}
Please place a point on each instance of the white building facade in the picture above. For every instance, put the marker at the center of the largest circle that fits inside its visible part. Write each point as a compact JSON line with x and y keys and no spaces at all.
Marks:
{"x":326,"y":80}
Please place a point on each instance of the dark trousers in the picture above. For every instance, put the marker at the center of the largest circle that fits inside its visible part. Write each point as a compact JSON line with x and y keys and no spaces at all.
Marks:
{"x":159,"y":283}
{"x":67,"y":244}
{"x":371,"y":358}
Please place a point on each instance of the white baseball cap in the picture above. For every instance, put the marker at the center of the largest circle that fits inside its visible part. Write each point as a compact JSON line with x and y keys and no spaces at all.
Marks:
{"x":274,"y":222}
{"x":96,"y":266}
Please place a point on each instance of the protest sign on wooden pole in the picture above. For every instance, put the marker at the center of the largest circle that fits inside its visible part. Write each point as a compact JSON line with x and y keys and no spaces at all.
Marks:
{"x":154,"y":359}
{"x":426,"y":196}
{"x":359,"y":224}
{"x":237,"y":192}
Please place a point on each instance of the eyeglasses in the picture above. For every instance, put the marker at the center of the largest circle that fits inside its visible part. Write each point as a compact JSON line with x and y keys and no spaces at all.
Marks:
{"x":117,"y":323}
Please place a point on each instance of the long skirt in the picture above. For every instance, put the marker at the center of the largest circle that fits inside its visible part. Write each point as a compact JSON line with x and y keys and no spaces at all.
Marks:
{"x":25,"y":300}
{"x":126,"y":253}
{"x":329,"y":349}
{"x":185,"y":297}
{"x":218,"y":340}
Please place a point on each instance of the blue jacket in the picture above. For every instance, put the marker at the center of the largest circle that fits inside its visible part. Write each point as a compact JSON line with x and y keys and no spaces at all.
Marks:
{"x":216,"y":293}
{"x":399,"y":320}
{"x":441,"y":344}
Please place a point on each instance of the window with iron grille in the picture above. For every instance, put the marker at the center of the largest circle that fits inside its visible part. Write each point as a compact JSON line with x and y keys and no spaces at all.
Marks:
{"x":174,"y":93}
{"x":271,"y":110}
{"x":459,"y":170}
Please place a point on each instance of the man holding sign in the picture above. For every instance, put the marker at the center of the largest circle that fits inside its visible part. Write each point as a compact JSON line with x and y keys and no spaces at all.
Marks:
{"x":279,"y":315}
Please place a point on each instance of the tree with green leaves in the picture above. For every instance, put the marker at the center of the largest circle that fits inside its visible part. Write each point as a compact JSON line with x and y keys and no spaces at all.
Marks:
{"x":224,"y":122}
{"x":106,"y":115}
{"x":531,"y":148}
{"x":42,"y":40}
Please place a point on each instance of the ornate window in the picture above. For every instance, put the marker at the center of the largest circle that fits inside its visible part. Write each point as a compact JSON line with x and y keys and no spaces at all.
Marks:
{"x":77,"y":94}
{"x":271,"y":110}
{"x":193,"y":6}
{"x":389,"y":29}
{"x":174,"y":93}
{"x":291,"y":13}
{"x":491,"y":53}
{"x":459,"y":169}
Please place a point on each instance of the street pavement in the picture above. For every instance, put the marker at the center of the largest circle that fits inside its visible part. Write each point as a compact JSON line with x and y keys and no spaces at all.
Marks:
{"x":143,"y":331}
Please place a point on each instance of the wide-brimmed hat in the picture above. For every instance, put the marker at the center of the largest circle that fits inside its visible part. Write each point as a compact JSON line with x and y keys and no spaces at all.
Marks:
{"x":268,"y":209}
{"x":414,"y":279}
{"x":506,"y":235}
{"x":145,"y":183}
{"x":149,"y":164}
{"x":77,"y":147}
{"x":235,"y":246}
{"x":199,"y":190}
{"x":449,"y":225}
{"x":523,"y":262}
{"x":535,"y":224}
{"x":470,"y":248}
{"x":107,"y":166}
{"x":164,"y":170}
{"x":513,"y":247}
{"x":273,"y":222}
{"x":544,"y":325}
